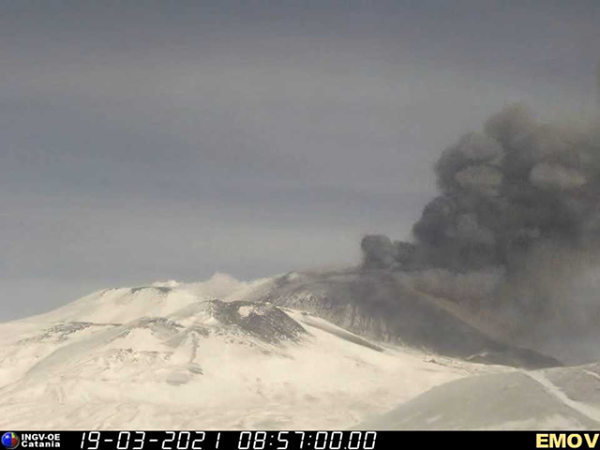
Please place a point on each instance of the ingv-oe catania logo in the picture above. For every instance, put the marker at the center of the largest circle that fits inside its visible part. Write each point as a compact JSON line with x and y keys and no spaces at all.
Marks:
{"x":10,"y":440}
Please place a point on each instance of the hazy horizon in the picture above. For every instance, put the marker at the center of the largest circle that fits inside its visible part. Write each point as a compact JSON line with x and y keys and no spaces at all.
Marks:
{"x":179,"y":139}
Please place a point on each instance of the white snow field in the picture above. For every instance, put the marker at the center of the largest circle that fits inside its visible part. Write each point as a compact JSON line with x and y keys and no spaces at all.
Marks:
{"x":297,"y":351}
{"x":550,"y":399}
{"x":172,"y":356}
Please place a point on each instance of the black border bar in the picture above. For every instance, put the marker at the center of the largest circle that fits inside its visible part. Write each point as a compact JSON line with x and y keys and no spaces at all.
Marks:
{"x":298,"y":440}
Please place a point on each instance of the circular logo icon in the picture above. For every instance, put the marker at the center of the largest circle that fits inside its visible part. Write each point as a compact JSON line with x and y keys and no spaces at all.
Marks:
{"x":10,"y":440}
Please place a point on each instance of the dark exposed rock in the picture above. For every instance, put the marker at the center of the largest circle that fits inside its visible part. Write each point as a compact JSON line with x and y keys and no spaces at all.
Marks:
{"x":377,"y":305}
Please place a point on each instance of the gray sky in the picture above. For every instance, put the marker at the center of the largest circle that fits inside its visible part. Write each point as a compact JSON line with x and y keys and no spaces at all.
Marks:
{"x":154,"y":140}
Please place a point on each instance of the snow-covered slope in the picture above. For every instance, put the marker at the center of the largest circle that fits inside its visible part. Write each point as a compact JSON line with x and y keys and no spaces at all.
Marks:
{"x":172,"y":356}
{"x":561,"y":398}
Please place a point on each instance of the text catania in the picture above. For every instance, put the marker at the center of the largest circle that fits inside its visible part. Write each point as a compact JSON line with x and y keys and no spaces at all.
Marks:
{"x":40,"y":440}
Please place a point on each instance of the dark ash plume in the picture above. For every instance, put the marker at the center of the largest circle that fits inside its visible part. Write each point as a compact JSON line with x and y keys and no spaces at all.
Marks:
{"x":503,"y":190}
{"x":510,"y":196}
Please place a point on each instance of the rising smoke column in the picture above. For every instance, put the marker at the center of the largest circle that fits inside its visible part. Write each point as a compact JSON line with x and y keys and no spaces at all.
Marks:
{"x":519,"y":197}
{"x":503,"y":190}
{"x":514,"y":185}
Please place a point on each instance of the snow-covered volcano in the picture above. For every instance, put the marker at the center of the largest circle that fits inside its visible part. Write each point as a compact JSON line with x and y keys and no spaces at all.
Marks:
{"x":171,"y":356}
{"x":297,"y":351}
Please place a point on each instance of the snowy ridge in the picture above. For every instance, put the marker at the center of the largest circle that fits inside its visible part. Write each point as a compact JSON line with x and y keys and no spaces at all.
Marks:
{"x":172,"y":356}
{"x":552,"y":399}
{"x":298,"y":351}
